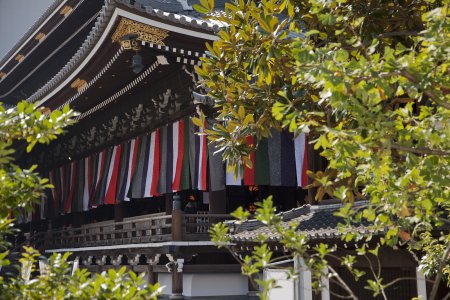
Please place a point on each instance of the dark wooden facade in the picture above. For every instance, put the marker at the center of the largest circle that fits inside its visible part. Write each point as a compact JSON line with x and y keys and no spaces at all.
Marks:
{"x":90,"y":69}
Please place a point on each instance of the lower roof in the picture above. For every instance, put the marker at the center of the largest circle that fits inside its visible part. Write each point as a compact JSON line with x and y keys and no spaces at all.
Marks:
{"x":317,"y":222}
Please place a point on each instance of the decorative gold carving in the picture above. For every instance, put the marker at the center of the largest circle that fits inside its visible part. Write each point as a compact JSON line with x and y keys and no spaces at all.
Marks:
{"x":66,"y":10}
{"x":2,"y":74}
{"x":19,"y":57}
{"x":145,"y":32}
{"x":78,"y":84}
{"x":131,"y":44}
{"x":40,"y":36}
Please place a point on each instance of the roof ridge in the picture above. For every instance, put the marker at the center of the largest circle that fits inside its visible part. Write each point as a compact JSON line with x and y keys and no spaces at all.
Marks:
{"x":96,"y":32}
{"x":84,"y":50}
{"x":30,"y":30}
{"x":337,"y":205}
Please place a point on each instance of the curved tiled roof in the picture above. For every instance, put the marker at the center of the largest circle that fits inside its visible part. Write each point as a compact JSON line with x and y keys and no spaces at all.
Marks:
{"x":99,"y":28}
{"x":84,"y":50}
{"x":31,"y":30}
{"x":174,"y":11}
{"x":316,"y":222}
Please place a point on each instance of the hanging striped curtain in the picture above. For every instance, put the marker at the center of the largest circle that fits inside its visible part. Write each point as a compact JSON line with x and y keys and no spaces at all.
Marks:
{"x":164,"y":156}
{"x":301,"y":159}
{"x":112,"y":176}
{"x":193,"y":153}
{"x":172,"y":158}
{"x":55,"y":190}
{"x":178,"y":153}
{"x":87,"y":182}
{"x":70,"y":187}
{"x":63,"y":185}
{"x":198,"y":157}
{"x":184,"y":181}
{"x":103,"y":167}
{"x":281,"y":156}
{"x":97,"y":166}
{"x":275,"y":158}
{"x":127,"y":167}
{"x":216,"y":166}
{"x":147,"y":172}
{"x":138,"y":182}
{"x":202,"y":161}
{"x":287,"y":159}
{"x":153,"y":166}
{"x":77,"y":197}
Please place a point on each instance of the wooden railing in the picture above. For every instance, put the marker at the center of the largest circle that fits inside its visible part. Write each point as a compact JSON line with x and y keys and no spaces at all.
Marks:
{"x":136,"y":230}
{"x":196,"y":226}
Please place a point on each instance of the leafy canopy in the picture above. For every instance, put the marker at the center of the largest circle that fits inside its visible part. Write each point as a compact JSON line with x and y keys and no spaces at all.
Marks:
{"x":368,"y":81}
{"x":21,"y":128}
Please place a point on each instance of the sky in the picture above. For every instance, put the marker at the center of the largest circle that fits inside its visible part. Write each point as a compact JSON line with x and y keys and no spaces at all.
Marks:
{"x":16,"y":17}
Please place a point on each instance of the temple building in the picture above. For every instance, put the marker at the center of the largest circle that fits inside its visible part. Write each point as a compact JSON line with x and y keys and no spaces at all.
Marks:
{"x":136,"y":184}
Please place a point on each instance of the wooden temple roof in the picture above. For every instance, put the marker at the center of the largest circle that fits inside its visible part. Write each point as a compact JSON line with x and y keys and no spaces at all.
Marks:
{"x":46,"y":47}
{"x":316,"y":222}
{"x":93,"y":74}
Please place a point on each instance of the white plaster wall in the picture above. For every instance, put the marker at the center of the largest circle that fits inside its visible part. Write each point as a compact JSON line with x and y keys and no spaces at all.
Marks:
{"x":207,"y":284}
{"x":16,"y":17}
{"x":165,"y":279}
{"x":214,"y":284}
{"x":286,"y":287}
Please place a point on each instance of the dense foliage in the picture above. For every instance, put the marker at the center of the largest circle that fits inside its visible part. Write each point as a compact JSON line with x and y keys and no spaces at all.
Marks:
{"x":55,"y":278}
{"x":368,"y":81}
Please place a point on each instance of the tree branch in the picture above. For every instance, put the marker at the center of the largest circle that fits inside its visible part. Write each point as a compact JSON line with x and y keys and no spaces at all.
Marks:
{"x":336,"y":294}
{"x":398,"y":33}
{"x":432,"y":96}
{"x":437,"y":280}
{"x":420,"y":150}
{"x":343,"y":284}
{"x":403,"y":278}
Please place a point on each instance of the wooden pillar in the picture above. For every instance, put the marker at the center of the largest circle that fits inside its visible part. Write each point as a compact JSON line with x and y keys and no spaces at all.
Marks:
{"x":168,"y":198}
{"x":152,"y":261}
{"x":218,"y":202}
{"x":177,"y":219}
{"x":177,"y":225}
{"x":177,"y":284}
{"x":119,"y":212}
{"x":152,"y":276}
{"x":175,"y":267}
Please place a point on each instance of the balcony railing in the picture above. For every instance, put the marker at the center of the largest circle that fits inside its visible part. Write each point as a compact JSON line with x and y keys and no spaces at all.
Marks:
{"x":136,"y":230}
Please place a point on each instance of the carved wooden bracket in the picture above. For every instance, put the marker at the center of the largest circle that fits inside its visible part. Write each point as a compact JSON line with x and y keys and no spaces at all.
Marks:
{"x":174,"y":263}
{"x":87,"y":261}
{"x":117,"y":261}
{"x":153,"y":261}
{"x":135,"y":260}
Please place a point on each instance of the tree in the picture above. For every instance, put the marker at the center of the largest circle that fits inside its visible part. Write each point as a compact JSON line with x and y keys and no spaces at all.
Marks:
{"x":368,"y":81}
{"x":22,"y":127}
